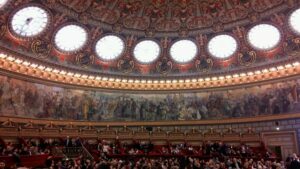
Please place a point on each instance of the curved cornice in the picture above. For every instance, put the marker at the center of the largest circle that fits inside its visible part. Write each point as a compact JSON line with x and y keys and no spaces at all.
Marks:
{"x":29,"y":69}
{"x":150,"y":123}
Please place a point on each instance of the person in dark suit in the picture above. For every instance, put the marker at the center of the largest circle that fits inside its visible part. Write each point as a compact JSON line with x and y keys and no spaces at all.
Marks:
{"x":295,"y":163}
{"x":68,"y":142}
{"x":78,"y":142}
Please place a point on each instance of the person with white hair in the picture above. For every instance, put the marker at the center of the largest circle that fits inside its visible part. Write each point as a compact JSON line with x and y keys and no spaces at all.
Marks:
{"x":295,"y":163}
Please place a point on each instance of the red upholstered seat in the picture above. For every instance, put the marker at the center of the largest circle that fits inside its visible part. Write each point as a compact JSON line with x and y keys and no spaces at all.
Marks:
{"x":27,"y":161}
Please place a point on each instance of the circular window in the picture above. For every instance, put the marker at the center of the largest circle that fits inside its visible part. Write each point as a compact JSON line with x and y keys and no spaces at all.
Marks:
{"x":70,"y":38}
{"x":29,"y":21}
{"x":110,"y":47}
{"x":183,"y":51}
{"x":146,"y":51}
{"x":295,"y":21}
{"x":222,"y":46}
{"x":2,"y":3}
{"x":264,"y":37}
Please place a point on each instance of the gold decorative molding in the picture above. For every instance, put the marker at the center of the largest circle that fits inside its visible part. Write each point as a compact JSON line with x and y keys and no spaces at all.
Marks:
{"x":14,"y":127}
{"x":39,"y":71}
{"x":53,"y":122}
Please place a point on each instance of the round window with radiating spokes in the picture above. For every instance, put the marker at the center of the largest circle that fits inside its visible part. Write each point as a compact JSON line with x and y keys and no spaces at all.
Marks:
{"x":70,"y":38}
{"x":3,"y":3}
{"x":264,"y":37}
{"x":222,"y":46}
{"x":109,"y":47}
{"x":183,"y":51}
{"x":146,"y":51}
{"x":29,"y":21}
{"x":294,"y":21}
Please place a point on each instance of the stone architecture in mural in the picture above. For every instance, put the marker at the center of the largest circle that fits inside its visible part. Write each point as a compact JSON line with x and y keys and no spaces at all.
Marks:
{"x":26,"y":99}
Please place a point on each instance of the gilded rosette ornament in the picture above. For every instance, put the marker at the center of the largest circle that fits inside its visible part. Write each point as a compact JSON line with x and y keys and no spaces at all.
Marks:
{"x":126,"y":65}
{"x":296,"y":41}
{"x":291,"y":44}
{"x":204,"y":65}
{"x":164,"y":66}
{"x":84,"y":60}
{"x":247,"y":58}
{"x":41,"y":48}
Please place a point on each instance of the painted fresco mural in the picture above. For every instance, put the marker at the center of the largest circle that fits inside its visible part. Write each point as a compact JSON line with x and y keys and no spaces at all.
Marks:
{"x":26,"y":99}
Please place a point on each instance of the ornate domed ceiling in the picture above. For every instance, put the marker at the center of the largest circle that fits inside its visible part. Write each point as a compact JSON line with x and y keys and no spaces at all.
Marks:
{"x":150,"y":41}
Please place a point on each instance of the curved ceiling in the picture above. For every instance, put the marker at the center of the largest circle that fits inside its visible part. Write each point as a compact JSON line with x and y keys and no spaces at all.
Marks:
{"x":166,"y":17}
{"x":152,"y":40}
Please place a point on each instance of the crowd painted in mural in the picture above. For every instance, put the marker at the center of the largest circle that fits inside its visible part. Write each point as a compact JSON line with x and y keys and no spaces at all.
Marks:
{"x":26,"y":99}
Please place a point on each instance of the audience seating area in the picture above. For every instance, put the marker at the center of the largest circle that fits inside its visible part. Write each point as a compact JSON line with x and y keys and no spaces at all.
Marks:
{"x":47,"y":152}
{"x":57,"y":146}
